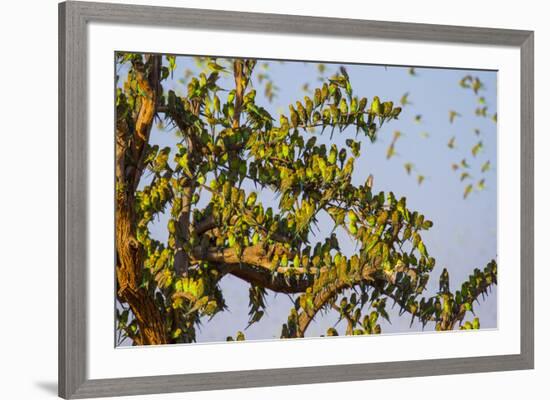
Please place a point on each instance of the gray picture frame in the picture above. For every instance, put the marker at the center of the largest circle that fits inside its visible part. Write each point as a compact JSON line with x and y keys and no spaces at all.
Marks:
{"x":73,"y":196}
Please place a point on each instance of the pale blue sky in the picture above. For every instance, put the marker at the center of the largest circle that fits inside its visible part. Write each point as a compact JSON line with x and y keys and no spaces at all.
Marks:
{"x":464,"y":233}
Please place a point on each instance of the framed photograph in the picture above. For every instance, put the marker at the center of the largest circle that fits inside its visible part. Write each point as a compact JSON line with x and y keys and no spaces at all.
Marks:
{"x":255,"y":200}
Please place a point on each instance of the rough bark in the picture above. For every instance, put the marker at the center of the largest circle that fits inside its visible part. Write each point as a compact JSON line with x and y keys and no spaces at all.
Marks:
{"x":129,"y":275}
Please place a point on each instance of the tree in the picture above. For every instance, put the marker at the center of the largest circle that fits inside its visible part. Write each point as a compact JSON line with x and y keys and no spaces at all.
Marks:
{"x":217,"y":229}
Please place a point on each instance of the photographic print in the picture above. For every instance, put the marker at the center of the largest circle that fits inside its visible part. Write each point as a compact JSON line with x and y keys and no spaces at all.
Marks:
{"x":280,"y":199}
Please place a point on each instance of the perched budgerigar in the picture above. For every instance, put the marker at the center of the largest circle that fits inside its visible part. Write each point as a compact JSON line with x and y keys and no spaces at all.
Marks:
{"x":214,"y":66}
{"x":376,"y":106}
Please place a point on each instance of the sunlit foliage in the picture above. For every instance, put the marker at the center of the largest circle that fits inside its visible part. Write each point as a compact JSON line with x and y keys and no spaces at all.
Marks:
{"x":217,"y":228}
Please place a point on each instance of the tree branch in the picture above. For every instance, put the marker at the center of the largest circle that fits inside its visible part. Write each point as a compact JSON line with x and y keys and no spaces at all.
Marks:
{"x":253,"y":255}
{"x":254,"y":265}
{"x":149,"y":84}
{"x":330,"y":291}
{"x":209,"y":223}
{"x":250,"y":274}
{"x":238,"y":71}
{"x":181,"y":258}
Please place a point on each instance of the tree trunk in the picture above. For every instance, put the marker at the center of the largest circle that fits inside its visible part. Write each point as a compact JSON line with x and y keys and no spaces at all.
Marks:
{"x":129,"y":275}
{"x":129,"y":252}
